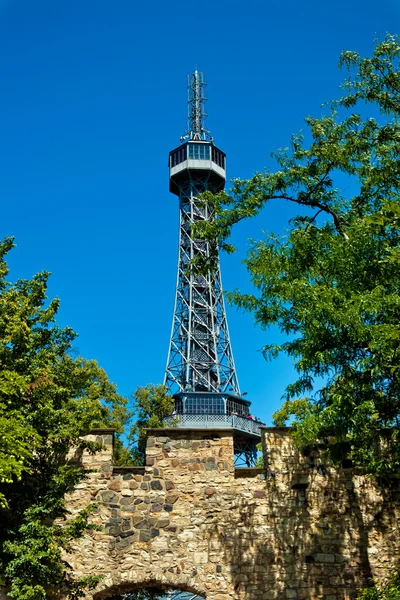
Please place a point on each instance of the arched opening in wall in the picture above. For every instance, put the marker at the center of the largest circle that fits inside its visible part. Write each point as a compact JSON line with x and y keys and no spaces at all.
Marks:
{"x":155,"y":593}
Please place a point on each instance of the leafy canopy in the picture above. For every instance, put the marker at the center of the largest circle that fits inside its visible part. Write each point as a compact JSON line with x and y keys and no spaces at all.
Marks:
{"x":48,"y":400}
{"x":152,"y":407}
{"x":390,"y":591}
{"x":331,"y":284}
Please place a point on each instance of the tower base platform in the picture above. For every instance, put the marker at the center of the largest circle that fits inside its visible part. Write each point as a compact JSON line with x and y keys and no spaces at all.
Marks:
{"x":246,"y":433}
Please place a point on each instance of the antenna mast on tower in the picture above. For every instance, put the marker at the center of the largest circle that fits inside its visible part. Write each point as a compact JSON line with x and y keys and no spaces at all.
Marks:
{"x":196,"y":113}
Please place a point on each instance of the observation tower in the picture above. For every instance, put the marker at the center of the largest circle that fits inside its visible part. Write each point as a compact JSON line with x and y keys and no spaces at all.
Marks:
{"x":200,"y":371}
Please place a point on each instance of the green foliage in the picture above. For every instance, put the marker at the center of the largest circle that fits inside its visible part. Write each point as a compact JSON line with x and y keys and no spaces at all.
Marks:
{"x":152,"y":406}
{"x":260,"y":457}
{"x":17,"y":438}
{"x":332,"y":283}
{"x":48,"y":399}
{"x":391,"y":591}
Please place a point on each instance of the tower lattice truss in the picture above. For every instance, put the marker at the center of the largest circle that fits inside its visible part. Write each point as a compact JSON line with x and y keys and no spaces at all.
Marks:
{"x":200,"y":356}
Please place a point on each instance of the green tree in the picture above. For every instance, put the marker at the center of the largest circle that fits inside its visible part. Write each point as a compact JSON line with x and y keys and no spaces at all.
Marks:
{"x":152,"y":406}
{"x":48,"y":400}
{"x":331,"y":284}
{"x":390,"y":591}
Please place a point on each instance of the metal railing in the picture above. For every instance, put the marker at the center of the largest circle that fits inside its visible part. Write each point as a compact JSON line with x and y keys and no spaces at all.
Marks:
{"x":197,"y":421}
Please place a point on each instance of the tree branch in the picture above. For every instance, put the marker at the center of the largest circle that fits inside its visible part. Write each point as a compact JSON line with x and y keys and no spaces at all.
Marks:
{"x":322,"y":207}
{"x":313,"y":219}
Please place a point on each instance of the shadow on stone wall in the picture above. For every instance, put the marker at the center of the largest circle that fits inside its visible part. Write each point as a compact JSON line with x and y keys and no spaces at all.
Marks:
{"x":248,"y":558}
{"x":304,"y":535}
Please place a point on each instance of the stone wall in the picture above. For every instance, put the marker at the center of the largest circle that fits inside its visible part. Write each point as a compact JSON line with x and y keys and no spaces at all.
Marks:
{"x":189,"y":520}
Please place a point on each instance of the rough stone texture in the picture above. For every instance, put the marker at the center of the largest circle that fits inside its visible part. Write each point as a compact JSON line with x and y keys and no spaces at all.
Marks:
{"x":298,"y":530}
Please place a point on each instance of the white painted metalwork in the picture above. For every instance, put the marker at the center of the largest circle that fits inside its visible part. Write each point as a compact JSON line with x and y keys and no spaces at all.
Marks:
{"x":197,"y":164}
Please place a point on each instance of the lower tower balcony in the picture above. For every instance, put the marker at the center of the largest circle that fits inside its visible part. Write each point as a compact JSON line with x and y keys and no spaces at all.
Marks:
{"x":209,"y":421}
{"x":204,"y":410}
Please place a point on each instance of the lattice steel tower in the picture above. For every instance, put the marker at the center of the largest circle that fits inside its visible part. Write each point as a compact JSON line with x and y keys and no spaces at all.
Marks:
{"x":200,"y":367}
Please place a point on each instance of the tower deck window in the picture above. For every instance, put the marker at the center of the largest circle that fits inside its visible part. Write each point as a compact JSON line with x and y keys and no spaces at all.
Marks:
{"x":178,"y":156}
{"x":202,"y":405}
{"x":199,"y":151}
{"x":218,"y":157}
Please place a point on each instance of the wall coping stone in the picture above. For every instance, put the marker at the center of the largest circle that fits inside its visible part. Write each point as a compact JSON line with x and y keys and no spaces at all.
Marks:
{"x":167,"y":431}
{"x":137,"y":469}
{"x":101,"y":430}
{"x":249,"y":471}
{"x":275,"y":429}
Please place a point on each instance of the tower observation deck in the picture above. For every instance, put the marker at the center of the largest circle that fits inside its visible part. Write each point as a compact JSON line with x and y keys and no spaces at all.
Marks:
{"x":200,"y":371}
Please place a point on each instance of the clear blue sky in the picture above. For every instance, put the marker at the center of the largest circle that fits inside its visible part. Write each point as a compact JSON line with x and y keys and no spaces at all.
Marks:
{"x":93,"y":96}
